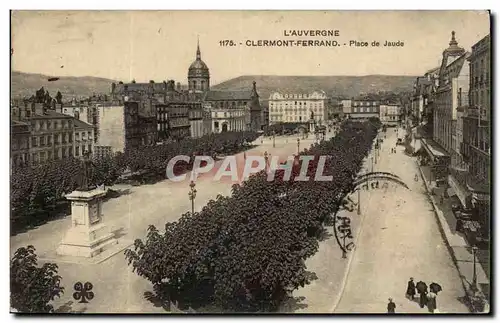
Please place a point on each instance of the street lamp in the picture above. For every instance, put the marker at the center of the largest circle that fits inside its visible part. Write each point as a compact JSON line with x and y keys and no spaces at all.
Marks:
{"x":474,"y":273}
{"x":192,"y":195}
{"x":266,"y":158}
{"x":372,"y":163}
{"x":298,"y":146}
{"x":274,"y":137}
{"x":359,"y":201}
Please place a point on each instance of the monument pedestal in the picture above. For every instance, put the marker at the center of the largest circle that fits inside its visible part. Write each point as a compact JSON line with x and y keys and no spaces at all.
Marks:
{"x":88,"y":236}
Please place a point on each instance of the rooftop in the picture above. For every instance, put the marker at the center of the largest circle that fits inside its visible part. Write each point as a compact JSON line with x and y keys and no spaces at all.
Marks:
{"x":50,"y":114}
{"x":81,"y":124}
{"x":228,"y":95}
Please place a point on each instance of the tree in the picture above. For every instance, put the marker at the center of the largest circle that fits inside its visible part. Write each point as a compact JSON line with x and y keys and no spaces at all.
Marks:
{"x":48,"y":99}
{"x":59,"y":97}
{"x":40,"y":95}
{"x":32,"y":287}
{"x":247,"y":252}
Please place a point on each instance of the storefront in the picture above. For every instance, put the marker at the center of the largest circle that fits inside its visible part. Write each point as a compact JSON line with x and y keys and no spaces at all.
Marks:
{"x":480,"y":197}
{"x":437,"y":158}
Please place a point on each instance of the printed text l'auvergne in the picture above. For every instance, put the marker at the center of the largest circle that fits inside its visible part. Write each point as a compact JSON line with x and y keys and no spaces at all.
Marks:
{"x":311,"y":33}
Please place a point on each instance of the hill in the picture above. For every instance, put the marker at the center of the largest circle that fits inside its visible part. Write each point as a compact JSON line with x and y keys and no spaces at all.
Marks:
{"x":26,"y":84}
{"x":348,"y":86}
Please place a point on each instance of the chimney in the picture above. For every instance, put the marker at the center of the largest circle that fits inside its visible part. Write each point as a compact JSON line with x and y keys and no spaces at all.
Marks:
{"x":58,"y":107}
{"x":39,"y":109}
{"x":113,"y":87}
{"x":178,"y":86}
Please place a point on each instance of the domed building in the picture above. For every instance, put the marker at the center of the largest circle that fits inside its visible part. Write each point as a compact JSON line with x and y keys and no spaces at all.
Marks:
{"x":198,"y":74}
{"x":230,"y":110}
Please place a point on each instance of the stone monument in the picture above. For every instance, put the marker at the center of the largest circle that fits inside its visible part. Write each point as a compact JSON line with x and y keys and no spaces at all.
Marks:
{"x":312,"y":123}
{"x":88,"y":236}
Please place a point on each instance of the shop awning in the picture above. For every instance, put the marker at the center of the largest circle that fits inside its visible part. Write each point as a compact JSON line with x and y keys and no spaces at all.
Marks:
{"x":433,"y":149}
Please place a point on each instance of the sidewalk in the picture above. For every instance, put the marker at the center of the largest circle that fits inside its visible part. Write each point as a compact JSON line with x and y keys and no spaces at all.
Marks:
{"x":460,"y":251}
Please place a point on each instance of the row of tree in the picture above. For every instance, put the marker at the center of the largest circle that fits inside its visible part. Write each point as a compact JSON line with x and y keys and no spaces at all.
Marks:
{"x":247,"y":252}
{"x":43,"y":96}
{"x":35,"y":191}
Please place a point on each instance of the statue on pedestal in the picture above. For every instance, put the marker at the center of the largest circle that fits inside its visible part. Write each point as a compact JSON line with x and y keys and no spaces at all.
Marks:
{"x":85,"y":178}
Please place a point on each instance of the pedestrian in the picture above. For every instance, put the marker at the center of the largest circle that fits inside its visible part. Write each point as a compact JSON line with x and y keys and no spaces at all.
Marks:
{"x":441,"y":200}
{"x":391,"y":307}
{"x":431,"y":302}
{"x":410,"y":290}
{"x":416,"y":178}
{"x":422,"y":298}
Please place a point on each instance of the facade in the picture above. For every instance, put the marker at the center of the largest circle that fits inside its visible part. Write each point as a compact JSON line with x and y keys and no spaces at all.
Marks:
{"x":173,"y":120}
{"x":109,"y":121}
{"x":20,"y":134}
{"x":298,"y":107}
{"x":234,"y":110}
{"x":140,"y":124}
{"x":199,"y":120}
{"x":476,"y":146}
{"x":125,"y":125}
{"x":346,"y":106}
{"x":390,"y":114}
{"x":364,"y":109}
{"x":452,"y":79}
{"x":224,"y":119}
{"x":265,"y":113}
{"x":335,"y":109}
{"x":83,"y":138}
{"x":51,"y":136}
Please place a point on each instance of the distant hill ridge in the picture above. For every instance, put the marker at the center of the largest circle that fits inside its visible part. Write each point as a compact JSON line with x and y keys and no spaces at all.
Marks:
{"x":25,"y":84}
{"x":348,"y":86}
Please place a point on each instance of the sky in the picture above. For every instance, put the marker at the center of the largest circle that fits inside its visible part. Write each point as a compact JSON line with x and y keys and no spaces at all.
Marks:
{"x":160,"y":45}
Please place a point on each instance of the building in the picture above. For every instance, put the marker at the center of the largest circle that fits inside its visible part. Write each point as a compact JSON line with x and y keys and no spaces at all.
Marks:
{"x":364,"y":109}
{"x":346,"y":106}
{"x":51,"y":135}
{"x":265,"y":113}
{"x":123,"y":125}
{"x":227,"y":119}
{"x":226,"y":107}
{"x":83,"y":138}
{"x":298,"y":107}
{"x":173,"y":120}
{"x":390,"y":114}
{"x":335,"y":109}
{"x":476,"y":145}
{"x":198,"y":74}
{"x":199,"y":120}
{"x":449,"y":97}
{"x":20,"y":134}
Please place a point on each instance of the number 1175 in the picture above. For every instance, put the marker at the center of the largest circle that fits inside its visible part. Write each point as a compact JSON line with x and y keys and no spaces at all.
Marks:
{"x":226,"y":43}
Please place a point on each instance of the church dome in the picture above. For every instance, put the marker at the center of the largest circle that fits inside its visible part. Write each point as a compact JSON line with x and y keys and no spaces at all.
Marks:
{"x":198,"y":68}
